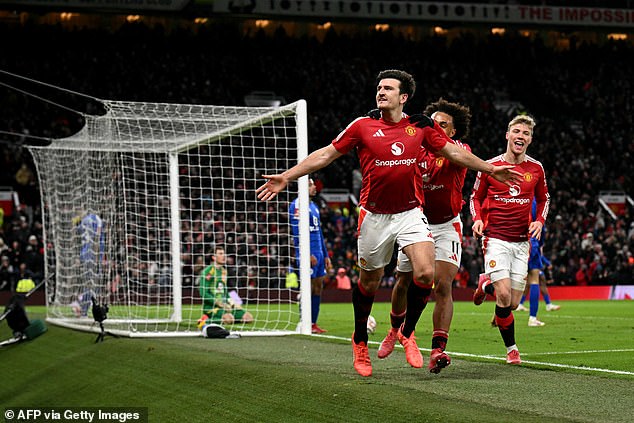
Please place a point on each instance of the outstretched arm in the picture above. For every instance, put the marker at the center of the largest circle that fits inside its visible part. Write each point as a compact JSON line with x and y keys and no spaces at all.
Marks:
{"x":504,"y":174}
{"x":316,"y":160}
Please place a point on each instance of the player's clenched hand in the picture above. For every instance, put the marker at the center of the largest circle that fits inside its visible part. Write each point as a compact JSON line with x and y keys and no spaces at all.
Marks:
{"x":506,"y":175}
{"x":274,"y":185}
{"x":374,"y":114}
{"x":535,"y":230}
{"x":477,"y":227}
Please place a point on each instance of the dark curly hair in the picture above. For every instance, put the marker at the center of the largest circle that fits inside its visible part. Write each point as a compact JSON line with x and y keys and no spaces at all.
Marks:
{"x":461,"y":116}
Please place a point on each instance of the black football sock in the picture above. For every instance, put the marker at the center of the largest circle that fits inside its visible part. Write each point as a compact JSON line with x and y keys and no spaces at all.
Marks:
{"x":506,"y":324}
{"x":362,"y":304}
{"x":417,"y":298}
{"x":439,"y":339}
{"x":396,"y":320}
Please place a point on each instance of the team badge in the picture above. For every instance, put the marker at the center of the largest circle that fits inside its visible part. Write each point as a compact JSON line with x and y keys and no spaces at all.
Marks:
{"x":528,"y":176}
{"x":363,"y":262}
{"x":410,"y":130}
{"x":440,"y":161}
{"x":492,"y":264}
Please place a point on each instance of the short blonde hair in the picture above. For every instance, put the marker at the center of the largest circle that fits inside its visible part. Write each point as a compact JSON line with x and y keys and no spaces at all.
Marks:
{"x":524,"y":119}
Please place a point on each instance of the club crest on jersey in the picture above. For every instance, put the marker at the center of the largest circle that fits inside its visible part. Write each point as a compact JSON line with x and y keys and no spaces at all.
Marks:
{"x":528,"y":176}
{"x":492,"y":264}
{"x":398,"y":148}
{"x":514,"y":190}
{"x":363,"y":262}
{"x":440,"y":161}
{"x":410,"y":130}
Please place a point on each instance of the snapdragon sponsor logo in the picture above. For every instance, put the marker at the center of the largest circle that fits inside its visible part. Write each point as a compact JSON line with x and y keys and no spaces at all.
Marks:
{"x":392,"y":163}
{"x":432,"y":187}
{"x":397,"y":148}
{"x":514,"y":200}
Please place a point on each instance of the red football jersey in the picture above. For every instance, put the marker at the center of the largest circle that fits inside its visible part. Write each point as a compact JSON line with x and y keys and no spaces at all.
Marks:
{"x":388,"y":155}
{"x":442,"y":185}
{"x":509,"y":208}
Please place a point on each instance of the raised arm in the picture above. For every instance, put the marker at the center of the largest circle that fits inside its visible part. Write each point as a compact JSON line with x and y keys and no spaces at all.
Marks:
{"x":316,"y":160}
{"x":435,"y":137}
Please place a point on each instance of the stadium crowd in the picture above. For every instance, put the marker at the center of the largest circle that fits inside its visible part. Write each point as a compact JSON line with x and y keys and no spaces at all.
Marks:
{"x":580,"y":93}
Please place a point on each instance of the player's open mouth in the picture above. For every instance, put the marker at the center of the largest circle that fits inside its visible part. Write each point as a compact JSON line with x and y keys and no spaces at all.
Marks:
{"x":519,"y":143}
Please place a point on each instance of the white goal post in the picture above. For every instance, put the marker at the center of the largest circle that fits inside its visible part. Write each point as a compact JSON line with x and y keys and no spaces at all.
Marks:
{"x":136,"y":201}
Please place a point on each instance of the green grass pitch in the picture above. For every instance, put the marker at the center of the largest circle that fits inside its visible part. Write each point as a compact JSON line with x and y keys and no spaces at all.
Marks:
{"x":577,"y":368}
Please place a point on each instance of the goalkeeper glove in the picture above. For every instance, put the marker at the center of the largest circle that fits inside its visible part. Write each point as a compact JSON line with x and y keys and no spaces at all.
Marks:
{"x":374,"y":114}
{"x":421,"y":120}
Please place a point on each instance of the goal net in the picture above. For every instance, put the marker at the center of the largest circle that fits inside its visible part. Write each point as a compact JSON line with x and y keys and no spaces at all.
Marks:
{"x":136,"y":202}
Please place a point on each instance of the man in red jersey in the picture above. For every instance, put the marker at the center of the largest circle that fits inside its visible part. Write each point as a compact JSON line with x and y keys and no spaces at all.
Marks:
{"x":390,"y":201}
{"x":442,"y":184}
{"x":508,"y":226}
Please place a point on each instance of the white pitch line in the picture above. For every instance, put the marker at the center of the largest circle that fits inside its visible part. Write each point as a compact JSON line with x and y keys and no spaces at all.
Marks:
{"x":582,"y":352}
{"x":555,"y":315}
{"x":590,"y":369}
{"x":491,"y":357}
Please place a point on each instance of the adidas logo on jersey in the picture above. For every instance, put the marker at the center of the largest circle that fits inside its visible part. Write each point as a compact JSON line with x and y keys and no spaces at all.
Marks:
{"x":379,"y":133}
{"x":453,"y":257}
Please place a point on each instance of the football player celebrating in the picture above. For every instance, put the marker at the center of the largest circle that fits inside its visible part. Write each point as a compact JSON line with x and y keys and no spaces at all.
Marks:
{"x":391,"y":201}
{"x":507,"y":229}
{"x":442,"y":184}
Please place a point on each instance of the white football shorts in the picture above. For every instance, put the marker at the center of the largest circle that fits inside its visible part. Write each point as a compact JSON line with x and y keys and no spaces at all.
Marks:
{"x":379,"y":232}
{"x":504,"y":259}
{"x":448,"y":244}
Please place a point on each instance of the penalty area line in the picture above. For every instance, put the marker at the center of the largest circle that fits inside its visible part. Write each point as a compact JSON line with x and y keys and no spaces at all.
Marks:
{"x":491,"y":357}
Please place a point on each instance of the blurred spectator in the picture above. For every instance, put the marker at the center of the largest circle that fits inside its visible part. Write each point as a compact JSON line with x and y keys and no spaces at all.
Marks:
{"x":34,"y":258}
{"x":462,"y":278}
{"x":343,"y":280}
{"x":3,"y":247}
{"x":583,"y":276}
{"x":8,"y":275}
{"x":24,"y":273}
